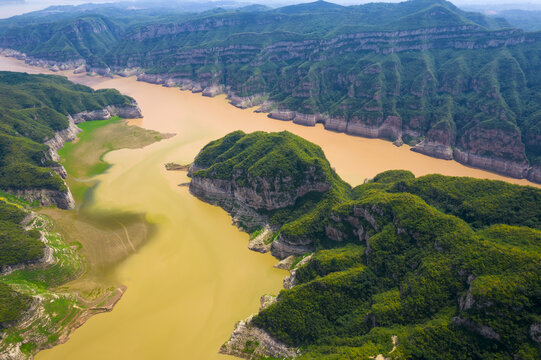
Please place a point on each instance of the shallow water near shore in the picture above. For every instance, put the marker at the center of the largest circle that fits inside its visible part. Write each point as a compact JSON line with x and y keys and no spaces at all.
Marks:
{"x":195,"y":277}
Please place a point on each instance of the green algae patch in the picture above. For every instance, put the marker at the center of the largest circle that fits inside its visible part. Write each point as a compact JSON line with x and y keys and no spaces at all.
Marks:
{"x":83,"y":158}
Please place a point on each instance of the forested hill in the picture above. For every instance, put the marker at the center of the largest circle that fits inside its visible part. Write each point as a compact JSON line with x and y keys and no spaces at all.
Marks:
{"x":454,"y":84}
{"x":33,"y":110}
{"x":441,"y":267}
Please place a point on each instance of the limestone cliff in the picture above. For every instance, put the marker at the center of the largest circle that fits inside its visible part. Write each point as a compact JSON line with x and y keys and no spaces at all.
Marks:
{"x":426,"y":73}
{"x":257,"y":175}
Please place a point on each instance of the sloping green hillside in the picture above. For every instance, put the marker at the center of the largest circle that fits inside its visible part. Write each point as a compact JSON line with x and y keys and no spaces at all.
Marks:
{"x":450,"y":266}
{"x":32,"y":109}
{"x":17,"y":246}
{"x":457,"y":84}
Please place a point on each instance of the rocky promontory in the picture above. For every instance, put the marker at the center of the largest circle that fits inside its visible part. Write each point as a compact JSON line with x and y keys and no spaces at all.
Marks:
{"x":382,"y":253}
{"x":254,"y":176}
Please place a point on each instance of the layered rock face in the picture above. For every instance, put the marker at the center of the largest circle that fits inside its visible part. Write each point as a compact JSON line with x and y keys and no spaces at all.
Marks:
{"x":382,"y":98}
{"x":276,"y":171}
{"x":259,"y":193}
{"x":60,"y":199}
{"x":426,"y":73}
{"x":251,"y":342}
{"x":127,"y":112}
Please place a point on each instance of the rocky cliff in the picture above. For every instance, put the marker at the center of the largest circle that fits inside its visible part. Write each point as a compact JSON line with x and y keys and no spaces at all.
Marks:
{"x":259,"y":188}
{"x":257,"y":192}
{"x":438,"y":109}
{"x":437,"y":254}
{"x":425,"y":73}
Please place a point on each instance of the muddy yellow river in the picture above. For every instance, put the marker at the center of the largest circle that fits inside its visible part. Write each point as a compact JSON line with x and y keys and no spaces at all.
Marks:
{"x":195,"y":278}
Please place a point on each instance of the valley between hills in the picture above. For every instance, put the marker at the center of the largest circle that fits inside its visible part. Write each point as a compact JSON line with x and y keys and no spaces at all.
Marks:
{"x":350,"y":247}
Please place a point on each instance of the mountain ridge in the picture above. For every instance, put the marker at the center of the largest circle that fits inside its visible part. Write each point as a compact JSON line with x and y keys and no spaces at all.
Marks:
{"x":431,"y":75}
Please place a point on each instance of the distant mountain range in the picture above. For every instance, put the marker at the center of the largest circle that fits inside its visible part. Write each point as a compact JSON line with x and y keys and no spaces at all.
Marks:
{"x":453,"y":84}
{"x":529,"y":20}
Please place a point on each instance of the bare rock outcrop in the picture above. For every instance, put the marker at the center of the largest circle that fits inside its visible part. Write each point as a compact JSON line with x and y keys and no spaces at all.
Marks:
{"x":61,"y":137}
{"x":125,"y":111}
{"x":282,"y":247}
{"x":434,"y":149}
{"x":534,"y":174}
{"x":258,"y":192}
{"x":213,"y":90}
{"x":505,"y":167}
{"x":483,"y":330}
{"x":44,"y":63}
{"x":260,"y":242}
{"x":251,"y":342}
{"x":285,"y":115}
{"x":46,"y":197}
{"x":245,"y":102}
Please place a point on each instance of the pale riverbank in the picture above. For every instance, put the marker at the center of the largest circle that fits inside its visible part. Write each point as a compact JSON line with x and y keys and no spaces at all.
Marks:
{"x":196,"y":278}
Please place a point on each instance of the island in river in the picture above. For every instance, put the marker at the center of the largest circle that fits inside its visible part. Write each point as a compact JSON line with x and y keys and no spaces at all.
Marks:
{"x":202,"y":276}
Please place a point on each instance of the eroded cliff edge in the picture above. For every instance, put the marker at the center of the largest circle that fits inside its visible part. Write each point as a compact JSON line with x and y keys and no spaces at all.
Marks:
{"x":446,"y":82}
{"x":64,"y":199}
{"x":258,"y":178}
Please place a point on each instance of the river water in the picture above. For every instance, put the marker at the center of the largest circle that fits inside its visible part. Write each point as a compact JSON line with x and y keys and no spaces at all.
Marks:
{"x":195,"y":278}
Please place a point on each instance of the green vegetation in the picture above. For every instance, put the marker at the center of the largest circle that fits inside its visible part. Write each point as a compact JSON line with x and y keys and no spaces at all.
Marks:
{"x":32,"y":109}
{"x":55,"y":310}
{"x":20,"y":246}
{"x":529,"y":20}
{"x":83,"y":158}
{"x":259,"y":155}
{"x":469,"y":81}
{"x":282,"y":163}
{"x":17,"y":245}
{"x":13,"y":305}
{"x":256,"y":233}
{"x":451,"y":266}
{"x":478,"y":202}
